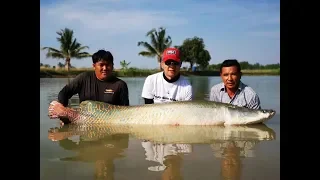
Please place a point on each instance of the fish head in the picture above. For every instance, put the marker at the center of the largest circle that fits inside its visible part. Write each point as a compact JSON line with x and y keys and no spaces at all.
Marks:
{"x":268,"y":112}
{"x":259,"y":113}
{"x":249,"y":116}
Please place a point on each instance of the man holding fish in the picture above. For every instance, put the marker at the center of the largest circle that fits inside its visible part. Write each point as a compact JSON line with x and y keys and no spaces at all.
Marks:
{"x":231,"y":89}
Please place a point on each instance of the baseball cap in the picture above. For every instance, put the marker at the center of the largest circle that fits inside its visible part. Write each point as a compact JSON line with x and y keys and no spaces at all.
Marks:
{"x":171,"y":54}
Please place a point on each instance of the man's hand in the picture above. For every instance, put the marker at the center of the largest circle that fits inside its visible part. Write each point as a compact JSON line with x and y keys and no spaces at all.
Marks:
{"x":55,"y":135}
{"x":56,"y":110}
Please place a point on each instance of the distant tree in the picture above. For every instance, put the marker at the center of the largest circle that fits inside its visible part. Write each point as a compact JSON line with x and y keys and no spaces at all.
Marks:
{"x":124,"y":64}
{"x":69,"y":48}
{"x":203,"y":59}
{"x":60,"y":65}
{"x":158,"y":43}
{"x":272,"y":66}
{"x":193,"y":51}
{"x":247,"y":65}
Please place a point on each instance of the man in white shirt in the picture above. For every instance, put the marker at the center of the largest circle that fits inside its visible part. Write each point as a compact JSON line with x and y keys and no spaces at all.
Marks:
{"x":158,"y":152}
{"x":168,"y":85}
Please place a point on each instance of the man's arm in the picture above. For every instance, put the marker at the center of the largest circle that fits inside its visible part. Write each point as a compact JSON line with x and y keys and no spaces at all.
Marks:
{"x":189,"y":93}
{"x":124,"y":95}
{"x":70,"y":89}
{"x":254,"y":103}
{"x":214,"y":94}
{"x":147,"y":91}
{"x":148,"y":101}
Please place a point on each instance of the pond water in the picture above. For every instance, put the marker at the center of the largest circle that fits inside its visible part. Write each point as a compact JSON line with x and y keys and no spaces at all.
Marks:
{"x":191,"y":153}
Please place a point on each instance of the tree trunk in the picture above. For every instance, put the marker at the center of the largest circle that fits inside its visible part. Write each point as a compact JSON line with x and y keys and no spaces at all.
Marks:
{"x":191,"y":66}
{"x":159,"y":61}
{"x":67,"y":64}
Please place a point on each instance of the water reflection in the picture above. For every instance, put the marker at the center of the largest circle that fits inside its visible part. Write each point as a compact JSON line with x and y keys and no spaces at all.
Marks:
{"x":164,"y":145}
{"x":102,"y":151}
{"x":173,"y":165}
{"x":169,"y":157}
{"x":231,"y":153}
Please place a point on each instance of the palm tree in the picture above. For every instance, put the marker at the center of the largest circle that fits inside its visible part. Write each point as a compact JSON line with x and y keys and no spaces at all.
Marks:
{"x":159,"y":42}
{"x":124,"y":65}
{"x":69,"y":48}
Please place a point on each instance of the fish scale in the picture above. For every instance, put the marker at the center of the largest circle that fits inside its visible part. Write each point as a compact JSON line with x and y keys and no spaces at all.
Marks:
{"x":171,"y":113}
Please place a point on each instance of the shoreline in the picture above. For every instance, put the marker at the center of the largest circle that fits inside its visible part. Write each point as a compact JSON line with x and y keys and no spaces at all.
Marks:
{"x":61,"y":73}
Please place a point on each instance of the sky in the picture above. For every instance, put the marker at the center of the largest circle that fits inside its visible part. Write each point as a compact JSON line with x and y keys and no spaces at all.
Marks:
{"x":246,"y":30}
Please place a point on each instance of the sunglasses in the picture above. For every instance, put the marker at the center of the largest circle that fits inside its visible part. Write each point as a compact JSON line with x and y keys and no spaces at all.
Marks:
{"x":174,"y":63}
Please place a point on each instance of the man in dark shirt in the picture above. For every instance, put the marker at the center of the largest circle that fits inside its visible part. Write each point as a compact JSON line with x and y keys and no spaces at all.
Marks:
{"x":99,"y":85}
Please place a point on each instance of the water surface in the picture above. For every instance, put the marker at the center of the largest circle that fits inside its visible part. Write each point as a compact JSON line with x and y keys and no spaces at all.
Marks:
{"x":250,"y":153}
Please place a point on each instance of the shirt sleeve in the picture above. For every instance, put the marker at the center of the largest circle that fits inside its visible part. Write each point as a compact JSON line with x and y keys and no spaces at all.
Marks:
{"x":148,"y":101}
{"x":214,"y":94}
{"x":189,"y":93}
{"x":147,"y":88}
{"x":70,"y":89}
{"x":124,"y":95}
{"x":254,"y":103}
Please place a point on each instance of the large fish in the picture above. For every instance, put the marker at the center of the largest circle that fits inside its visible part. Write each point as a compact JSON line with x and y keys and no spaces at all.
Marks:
{"x":171,"y":113}
{"x":170,"y":134}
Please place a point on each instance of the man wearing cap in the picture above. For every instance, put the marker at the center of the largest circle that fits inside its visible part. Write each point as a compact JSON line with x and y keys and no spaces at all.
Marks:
{"x":169,"y":85}
{"x":99,"y":85}
{"x":166,"y":86}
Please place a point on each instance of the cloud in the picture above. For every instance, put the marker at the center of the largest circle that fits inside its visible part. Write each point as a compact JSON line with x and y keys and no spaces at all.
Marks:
{"x":114,"y":22}
{"x":117,"y":25}
{"x":91,"y":16}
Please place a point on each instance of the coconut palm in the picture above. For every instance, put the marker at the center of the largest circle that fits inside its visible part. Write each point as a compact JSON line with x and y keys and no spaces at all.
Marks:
{"x":158,"y":43}
{"x":69,"y":48}
{"x":124,"y":65}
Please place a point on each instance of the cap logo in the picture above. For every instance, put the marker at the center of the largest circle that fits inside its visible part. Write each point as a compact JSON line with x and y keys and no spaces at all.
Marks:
{"x":171,"y":52}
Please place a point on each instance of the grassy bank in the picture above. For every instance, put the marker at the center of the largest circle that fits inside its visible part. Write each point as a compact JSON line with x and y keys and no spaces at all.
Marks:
{"x":60,"y":73}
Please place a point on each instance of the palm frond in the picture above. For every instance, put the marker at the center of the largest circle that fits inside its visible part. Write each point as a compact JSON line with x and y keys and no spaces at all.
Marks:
{"x":147,"y":54}
{"x":148,"y":47}
{"x":82,"y":55}
{"x":55,"y":55}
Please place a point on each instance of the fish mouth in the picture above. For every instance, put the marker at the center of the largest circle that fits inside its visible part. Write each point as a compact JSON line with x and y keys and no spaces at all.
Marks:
{"x":272,"y":113}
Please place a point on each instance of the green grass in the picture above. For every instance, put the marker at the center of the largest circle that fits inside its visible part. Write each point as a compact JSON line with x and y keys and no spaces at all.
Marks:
{"x":53,"y":73}
{"x":261,"y":72}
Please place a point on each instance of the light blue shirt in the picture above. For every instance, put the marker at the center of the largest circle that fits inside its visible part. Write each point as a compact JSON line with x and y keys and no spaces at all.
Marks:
{"x":244,"y":97}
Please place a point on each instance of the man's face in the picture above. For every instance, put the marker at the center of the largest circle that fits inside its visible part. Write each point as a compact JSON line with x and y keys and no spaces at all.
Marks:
{"x":230,"y":77}
{"x":171,"y":68}
{"x":103,"y":69}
